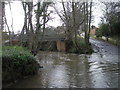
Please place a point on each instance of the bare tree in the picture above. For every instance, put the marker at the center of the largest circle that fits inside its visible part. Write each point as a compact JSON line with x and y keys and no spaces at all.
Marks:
{"x":10,"y":37}
{"x":9,"y":3}
{"x":87,"y":23}
{"x":42,"y":17}
{"x":4,"y":21}
{"x":75,"y":15}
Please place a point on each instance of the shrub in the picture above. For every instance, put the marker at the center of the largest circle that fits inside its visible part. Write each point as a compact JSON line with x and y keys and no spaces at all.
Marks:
{"x":17,"y":62}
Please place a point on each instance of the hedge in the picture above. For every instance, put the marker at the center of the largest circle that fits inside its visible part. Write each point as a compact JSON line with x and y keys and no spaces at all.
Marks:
{"x":17,"y":62}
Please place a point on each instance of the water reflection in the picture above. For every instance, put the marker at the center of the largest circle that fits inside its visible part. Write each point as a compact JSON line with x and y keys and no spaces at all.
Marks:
{"x":62,"y":70}
{"x":59,"y":77}
{"x":104,"y":70}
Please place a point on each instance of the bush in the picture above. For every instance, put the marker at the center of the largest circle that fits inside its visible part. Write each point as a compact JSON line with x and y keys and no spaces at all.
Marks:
{"x":17,"y":62}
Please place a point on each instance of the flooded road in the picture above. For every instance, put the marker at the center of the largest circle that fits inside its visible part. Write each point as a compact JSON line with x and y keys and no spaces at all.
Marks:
{"x":61,"y":70}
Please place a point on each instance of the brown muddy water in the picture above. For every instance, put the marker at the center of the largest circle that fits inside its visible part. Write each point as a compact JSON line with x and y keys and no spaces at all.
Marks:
{"x":61,"y":70}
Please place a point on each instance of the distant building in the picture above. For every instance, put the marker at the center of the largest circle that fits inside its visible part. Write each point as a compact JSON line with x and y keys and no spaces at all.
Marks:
{"x":93,"y":31}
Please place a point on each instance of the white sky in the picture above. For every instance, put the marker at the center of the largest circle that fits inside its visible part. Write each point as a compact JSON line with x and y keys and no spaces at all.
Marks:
{"x":97,"y":13}
{"x":18,"y":16}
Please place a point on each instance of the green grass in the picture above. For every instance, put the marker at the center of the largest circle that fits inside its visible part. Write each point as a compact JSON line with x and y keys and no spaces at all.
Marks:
{"x":113,"y":40}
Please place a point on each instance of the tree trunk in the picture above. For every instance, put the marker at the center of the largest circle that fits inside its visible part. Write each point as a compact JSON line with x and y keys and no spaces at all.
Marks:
{"x":90,"y":21}
{"x":74,"y":26}
{"x":87,"y":23}
{"x":10,"y":38}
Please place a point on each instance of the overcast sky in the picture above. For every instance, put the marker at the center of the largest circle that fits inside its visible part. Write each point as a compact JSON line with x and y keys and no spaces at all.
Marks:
{"x":18,"y":16}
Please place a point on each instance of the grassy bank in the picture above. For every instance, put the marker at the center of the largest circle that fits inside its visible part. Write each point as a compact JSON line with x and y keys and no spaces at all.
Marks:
{"x":82,"y":47}
{"x":115,"y":40}
{"x":17,"y":62}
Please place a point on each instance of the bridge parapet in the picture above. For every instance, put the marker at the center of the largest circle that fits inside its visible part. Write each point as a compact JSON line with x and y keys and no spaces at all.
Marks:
{"x":50,"y":37}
